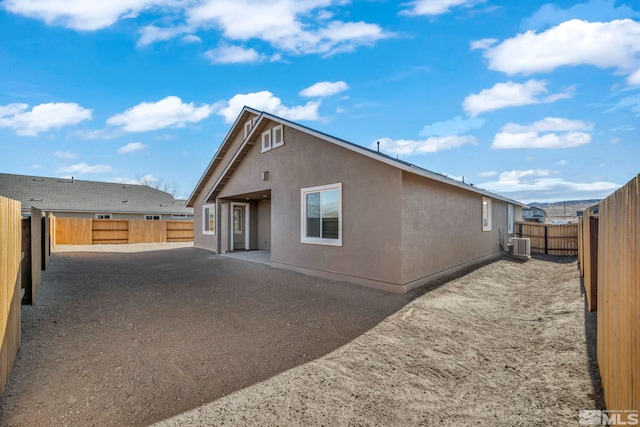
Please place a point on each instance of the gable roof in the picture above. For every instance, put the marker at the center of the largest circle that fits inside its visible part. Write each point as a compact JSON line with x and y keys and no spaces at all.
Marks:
{"x":264,"y":116}
{"x":74,"y":195}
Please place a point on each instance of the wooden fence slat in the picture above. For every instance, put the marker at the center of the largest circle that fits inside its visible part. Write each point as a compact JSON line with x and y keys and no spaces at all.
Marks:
{"x":10,"y":295}
{"x":552,"y":239}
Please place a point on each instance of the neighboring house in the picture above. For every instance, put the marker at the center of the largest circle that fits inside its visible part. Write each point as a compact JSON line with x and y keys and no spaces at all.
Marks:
{"x":327,"y":207}
{"x":74,"y":198}
{"x":533,"y":214}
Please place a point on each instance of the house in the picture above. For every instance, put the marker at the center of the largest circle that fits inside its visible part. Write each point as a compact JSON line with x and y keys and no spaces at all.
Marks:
{"x":74,"y":198}
{"x":327,"y":207}
{"x":533,"y":214}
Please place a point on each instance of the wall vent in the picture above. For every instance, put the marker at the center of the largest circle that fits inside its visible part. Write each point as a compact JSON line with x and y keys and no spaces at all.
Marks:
{"x":520,"y":247}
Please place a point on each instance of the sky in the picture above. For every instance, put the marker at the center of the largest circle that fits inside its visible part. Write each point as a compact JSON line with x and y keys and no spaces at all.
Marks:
{"x":535,"y":101}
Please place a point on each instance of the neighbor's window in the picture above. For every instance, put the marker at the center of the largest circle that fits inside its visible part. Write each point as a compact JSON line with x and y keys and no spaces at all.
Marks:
{"x":179,"y":216}
{"x":509,"y":219}
{"x":486,"y":214}
{"x":209,"y":219}
{"x":322,"y":215}
{"x":104,"y":216}
{"x":153,"y":217}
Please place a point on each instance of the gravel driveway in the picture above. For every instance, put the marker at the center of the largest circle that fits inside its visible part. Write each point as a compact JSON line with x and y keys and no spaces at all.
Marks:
{"x":135,"y":338}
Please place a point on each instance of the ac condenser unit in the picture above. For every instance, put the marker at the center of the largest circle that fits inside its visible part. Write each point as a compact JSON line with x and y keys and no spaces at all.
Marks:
{"x":520,"y":247}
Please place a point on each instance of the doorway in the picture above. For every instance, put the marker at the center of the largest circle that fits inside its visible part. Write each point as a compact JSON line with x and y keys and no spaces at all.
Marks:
{"x":239,"y":226}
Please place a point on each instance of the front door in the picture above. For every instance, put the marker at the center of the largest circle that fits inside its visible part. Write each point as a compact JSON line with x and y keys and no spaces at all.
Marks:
{"x":239,"y":230}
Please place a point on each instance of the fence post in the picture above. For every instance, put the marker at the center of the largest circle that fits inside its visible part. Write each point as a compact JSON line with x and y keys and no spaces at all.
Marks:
{"x":546,"y":245}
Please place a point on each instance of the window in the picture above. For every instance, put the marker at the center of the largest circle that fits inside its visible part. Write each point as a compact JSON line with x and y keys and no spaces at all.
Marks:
{"x":509,"y":219}
{"x":266,"y":140}
{"x":209,"y":219}
{"x":104,"y":216}
{"x":322,"y":215}
{"x":486,"y":214}
{"x":153,"y":217}
{"x":278,"y":136}
{"x":179,"y":216}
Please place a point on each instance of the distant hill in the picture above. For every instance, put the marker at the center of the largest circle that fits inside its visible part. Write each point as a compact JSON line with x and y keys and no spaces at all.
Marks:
{"x":565,"y":210}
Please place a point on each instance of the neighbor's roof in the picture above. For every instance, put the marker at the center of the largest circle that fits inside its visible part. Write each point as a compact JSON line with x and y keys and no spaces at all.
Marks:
{"x":66,"y":195}
{"x":247,"y":112}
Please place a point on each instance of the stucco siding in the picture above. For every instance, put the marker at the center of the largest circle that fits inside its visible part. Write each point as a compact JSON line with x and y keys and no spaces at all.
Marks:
{"x":264,"y":225}
{"x":442,"y":228}
{"x":371,"y":206}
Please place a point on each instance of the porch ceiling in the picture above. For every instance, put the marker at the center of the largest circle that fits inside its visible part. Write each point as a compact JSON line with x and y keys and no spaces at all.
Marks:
{"x":254,"y":195}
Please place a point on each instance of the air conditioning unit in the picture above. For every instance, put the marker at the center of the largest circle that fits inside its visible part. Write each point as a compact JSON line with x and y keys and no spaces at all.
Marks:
{"x":520,"y":247}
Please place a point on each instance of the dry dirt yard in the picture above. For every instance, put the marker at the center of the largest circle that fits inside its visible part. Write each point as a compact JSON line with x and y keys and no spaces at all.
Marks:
{"x":184,"y":337}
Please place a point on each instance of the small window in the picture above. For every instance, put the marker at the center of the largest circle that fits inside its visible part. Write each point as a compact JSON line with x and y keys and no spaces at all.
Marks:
{"x":322,"y":215}
{"x":486,"y":214}
{"x":179,"y":216}
{"x":104,"y":216}
{"x":509,"y":219}
{"x":209,"y":219}
{"x":278,"y":136}
{"x":266,"y":140}
{"x":153,"y":217}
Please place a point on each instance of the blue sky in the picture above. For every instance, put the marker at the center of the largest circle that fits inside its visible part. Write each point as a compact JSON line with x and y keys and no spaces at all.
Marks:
{"x":536,"y":101}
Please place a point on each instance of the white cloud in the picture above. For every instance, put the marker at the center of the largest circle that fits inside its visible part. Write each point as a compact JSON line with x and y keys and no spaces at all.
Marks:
{"x":149,"y":179}
{"x":266,"y":101}
{"x":168,"y":112}
{"x":191,"y":38}
{"x":435,"y":7}
{"x":65,"y":154}
{"x":83,"y":168}
{"x":81,"y":14}
{"x":151,"y":34}
{"x":634,"y":79}
{"x":614,"y":44}
{"x":42,"y":117}
{"x":550,"y":132}
{"x":510,"y":94}
{"x":539,"y":185}
{"x":321,"y":89}
{"x":561,"y":162}
{"x":452,"y":127}
{"x":487,"y":174}
{"x":592,"y":10}
{"x":429,"y":145}
{"x":482,"y":44}
{"x":131,"y":147}
{"x":233,"y":55}
{"x":549,"y":124}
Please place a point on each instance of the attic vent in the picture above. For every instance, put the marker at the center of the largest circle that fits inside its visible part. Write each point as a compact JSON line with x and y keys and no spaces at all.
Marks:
{"x":36,"y":200}
{"x":247,"y":128}
{"x":125,"y":201}
{"x":266,"y":140}
{"x":38,"y":179}
{"x":278,"y":136}
{"x":126,"y":186}
{"x":163,"y":204}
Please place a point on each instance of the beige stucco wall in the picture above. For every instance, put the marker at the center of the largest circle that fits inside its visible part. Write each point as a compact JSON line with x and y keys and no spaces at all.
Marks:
{"x":442,"y":228}
{"x":264,"y":225}
{"x":371,"y":200}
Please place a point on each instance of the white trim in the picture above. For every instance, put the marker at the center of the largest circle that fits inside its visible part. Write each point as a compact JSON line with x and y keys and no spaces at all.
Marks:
{"x":274,"y":140}
{"x":204,"y":219}
{"x":247,"y":224}
{"x":487,"y":226}
{"x":303,"y":215}
{"x":510,"y":221}
{"x":98,"y":215}
{"x":266,"y":141}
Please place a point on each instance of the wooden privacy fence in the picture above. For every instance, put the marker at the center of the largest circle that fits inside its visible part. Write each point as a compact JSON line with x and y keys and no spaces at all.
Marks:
{"x":619,"y":297}
{"x":88,"y":231}
{"x":10,"y":295}
{"x":588,"y":257}
{"x":550,"y":238}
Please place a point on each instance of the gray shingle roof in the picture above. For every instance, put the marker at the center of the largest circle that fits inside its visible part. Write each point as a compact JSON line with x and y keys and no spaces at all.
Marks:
{"x":65,"y":195}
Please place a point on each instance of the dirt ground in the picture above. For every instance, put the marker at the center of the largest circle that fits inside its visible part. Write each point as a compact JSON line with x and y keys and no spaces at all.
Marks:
{"x":191,"y":338}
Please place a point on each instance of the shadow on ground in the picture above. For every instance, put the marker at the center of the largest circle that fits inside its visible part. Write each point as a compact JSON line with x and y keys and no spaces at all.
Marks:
{"x":139,"y":337}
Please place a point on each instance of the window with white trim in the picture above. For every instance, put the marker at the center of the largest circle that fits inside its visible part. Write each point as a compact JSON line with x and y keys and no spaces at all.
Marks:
{"x":104,"y":216}
{"x":277,"y":136}
{"x":153,"y":217}
{"x":322,"y":215}
{"x":266,"y":140}
{"x":486,"y":214}
{"x":209,"y":219}
{"x":509,"y":219}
